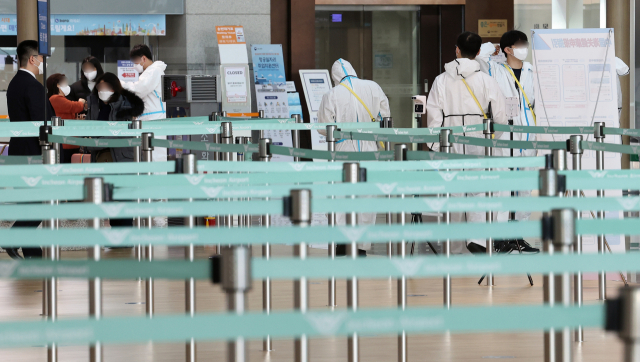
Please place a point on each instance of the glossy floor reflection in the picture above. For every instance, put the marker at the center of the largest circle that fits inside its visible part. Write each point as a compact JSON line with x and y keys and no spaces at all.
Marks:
{"x":21,"y":300}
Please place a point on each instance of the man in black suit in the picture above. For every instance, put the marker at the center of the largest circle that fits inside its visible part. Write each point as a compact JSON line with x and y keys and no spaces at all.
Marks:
{"x":26,"y":103}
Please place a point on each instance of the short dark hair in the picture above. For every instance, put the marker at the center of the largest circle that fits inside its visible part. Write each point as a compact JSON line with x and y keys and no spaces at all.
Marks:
{"x":140,"y":50}
{"x":96,"y":63}
{"x":113,"y":81}
{"x":469,"y":44}
{"x":52,"y":84}
{"x":511,"y":38}
{"x":26,"y":49}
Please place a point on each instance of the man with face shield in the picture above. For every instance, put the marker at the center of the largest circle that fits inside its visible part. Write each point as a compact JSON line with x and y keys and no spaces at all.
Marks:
{"x":353,"y":100}
{"x":462,"y":96}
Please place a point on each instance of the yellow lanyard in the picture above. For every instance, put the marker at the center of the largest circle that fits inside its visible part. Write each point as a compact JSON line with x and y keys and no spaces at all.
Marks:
{"x":373,"y":119}
{"x":475,"y":99}
{"x":523,"y":93}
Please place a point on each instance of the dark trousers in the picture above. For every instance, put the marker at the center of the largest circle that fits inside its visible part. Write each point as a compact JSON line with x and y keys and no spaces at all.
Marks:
{"x":27,"y":252}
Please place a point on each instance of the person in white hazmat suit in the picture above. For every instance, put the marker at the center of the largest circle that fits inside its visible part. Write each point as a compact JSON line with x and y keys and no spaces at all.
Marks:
{"x":462,"y":96}
{"x":342,"y":105}
{"x":149,"y":88}
{"x":516,"y":80}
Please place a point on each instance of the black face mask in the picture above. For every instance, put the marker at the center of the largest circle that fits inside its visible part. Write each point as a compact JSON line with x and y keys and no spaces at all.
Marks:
{"x":347,"y":76}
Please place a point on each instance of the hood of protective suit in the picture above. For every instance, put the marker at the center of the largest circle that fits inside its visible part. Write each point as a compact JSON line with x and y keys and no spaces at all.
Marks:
{"x":621,"y":67}
{"x":340,"y":69}
{"x":462,"y":68}
{"x":158,"y":64}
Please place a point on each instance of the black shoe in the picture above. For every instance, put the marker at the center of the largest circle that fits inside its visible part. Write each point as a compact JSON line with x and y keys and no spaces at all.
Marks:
{"x":476,"y":248}
{"x":13,"y":253}
{"x":341,"y":250}
{"x":525,"y":247}
{"x":362,"y":253}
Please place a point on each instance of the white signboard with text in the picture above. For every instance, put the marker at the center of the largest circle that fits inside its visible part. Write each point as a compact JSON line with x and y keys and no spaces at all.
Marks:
{"x":315,"y":83}
{"x":126,"y":71}
{"x":575,"y":81}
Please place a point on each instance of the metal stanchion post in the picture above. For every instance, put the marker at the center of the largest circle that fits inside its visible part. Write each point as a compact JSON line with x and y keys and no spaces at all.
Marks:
{"x":57,"y":122}
{"x":351,"y":174}
{"x":247,"y":217}
{"x":331,"y":147}
{"x":401,"y":250}
{"x":261,"y":113}
{"x":45,"y":147}
{"x":576,"y":158}
{"x":488,"y":151}
{"x":227,"y":139}
{"x":301,"y":216}
{"x":93,"y":189}
{"x":563,"y":235}
{"x":235,"y":270}
{"x":215,"y":117}
{"x":295,"y":136}
{"x":240,"y":158}
{"x":189,"y":167}
{"x":598,"y":134}
{"x":137,"y":157}
{"x":51,"y":252}
{"x":387,"y":122}
{"x":445,"y":147}
{"x":147,"y":156}
{"x":551,"y":185}
{"x":623,"y":316}
{"x":265,"y":156}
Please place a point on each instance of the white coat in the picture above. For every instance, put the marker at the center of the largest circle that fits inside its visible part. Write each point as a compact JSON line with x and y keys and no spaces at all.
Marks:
{"x":149,"y":88}
{"x":508,"y":86}
{"x":451,"y":104}
{"x":340,"y":105}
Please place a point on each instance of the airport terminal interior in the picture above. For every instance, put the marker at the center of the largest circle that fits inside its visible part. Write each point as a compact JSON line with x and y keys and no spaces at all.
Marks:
{"x":319,"y":180}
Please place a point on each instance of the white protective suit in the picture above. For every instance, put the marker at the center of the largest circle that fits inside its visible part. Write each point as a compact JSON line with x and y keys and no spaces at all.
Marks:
{"x":500,"y":72}
{"x":451,"y":104}
{"x":622,"y":69}
{"x":149,"y":88}
{"x":339,"y":105}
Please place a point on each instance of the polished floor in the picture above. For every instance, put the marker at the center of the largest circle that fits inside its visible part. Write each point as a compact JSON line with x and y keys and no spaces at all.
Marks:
{"x":21,"y":300}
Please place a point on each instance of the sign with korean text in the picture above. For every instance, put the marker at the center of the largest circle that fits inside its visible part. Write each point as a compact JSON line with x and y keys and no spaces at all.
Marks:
{"x":268,"y":65}
{"x":126,"y":71}
{"x":492,"y":28}
{"x":44,"y":31}
{"x":95,"y":25}
{"x":576,"y":70}
{"x":235,"y":85}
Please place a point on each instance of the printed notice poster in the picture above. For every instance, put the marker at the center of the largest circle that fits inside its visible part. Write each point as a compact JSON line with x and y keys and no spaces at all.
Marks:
{"x":126,"y":72}
{"x":275,"y":104}
{"x":235,"y":85}
{"x":315,"y":83}
{"x":268,"y":65}
{"x":577,"y":75}
{"x":232,"y":44}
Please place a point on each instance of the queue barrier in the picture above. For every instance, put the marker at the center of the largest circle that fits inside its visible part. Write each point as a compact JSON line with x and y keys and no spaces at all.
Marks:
{"x":178,"y":236}
{"x":20,"y":160}
{"x":252,"y":325}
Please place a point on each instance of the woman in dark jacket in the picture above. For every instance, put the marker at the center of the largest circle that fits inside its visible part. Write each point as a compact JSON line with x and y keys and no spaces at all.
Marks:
{"x":91,"y":71}
{"x":110,"y":102}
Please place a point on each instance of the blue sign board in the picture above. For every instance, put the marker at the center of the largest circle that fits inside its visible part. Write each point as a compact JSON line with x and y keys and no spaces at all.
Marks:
{"x":44,"y":31}
{"x":268,"y":64}
{"x":94,"y":25}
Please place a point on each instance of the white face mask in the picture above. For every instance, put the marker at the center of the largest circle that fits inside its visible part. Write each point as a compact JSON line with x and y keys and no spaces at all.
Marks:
{"x":520,"y":53}
{"x":91,"y":75}
{"x":65,"y":89}
{"x":104,"y":96}
{"x":41,"y":68}
{"x":138,"y":68}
